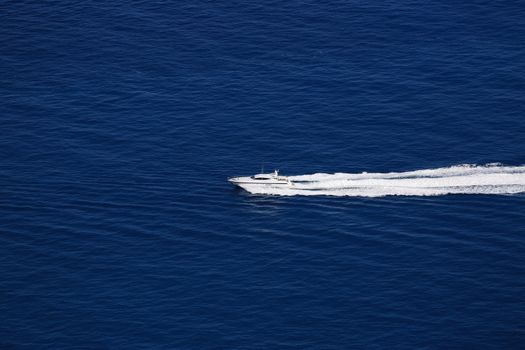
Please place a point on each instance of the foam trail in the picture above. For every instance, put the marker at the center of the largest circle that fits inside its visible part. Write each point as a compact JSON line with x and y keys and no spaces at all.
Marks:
{"x":460,"y":179}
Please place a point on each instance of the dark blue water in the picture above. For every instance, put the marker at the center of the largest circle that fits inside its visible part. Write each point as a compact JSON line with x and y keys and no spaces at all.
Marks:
{"x":121,"y":121}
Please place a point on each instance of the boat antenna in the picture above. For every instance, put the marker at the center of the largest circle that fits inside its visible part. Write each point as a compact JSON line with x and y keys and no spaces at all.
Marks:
{"x":262,"y":168}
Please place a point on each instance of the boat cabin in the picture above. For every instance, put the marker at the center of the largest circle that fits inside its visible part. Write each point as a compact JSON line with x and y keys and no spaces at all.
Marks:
{"x":265,"y":176}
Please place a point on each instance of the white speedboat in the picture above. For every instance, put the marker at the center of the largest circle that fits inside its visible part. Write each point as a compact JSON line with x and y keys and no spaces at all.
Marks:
{"x":271,"y":179}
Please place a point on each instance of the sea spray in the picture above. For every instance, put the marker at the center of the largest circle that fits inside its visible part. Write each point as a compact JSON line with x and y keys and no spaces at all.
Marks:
{"x":459,"y":179}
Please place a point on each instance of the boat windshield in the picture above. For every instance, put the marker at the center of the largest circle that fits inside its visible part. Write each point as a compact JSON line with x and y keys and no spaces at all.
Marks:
{"x":261,"y":177}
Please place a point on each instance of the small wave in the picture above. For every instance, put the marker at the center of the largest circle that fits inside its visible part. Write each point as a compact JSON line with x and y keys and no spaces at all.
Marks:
{"x":492,"y":178}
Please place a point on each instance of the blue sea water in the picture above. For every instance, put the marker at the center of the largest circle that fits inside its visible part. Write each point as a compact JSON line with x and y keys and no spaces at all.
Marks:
{"x":120,"y":122}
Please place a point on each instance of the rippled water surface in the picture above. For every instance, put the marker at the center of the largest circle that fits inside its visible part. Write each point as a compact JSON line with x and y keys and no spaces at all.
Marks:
{"x":121,"y":121}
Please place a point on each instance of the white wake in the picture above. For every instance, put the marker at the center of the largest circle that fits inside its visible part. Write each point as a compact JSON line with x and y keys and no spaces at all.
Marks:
{"x":460,"y":179}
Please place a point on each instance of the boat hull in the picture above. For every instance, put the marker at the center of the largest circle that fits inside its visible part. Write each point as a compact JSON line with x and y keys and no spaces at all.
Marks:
{"x":247,"y":181}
